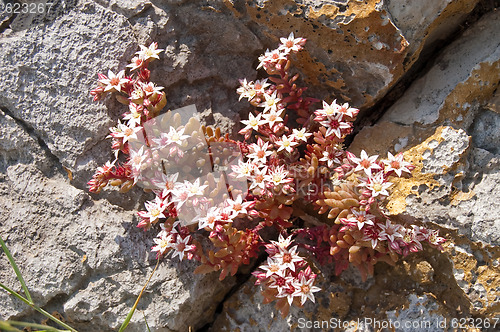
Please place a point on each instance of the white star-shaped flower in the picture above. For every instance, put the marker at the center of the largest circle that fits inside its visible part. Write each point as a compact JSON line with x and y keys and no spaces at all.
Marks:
{"x":114,"y":82}
{"x":150,"y":52}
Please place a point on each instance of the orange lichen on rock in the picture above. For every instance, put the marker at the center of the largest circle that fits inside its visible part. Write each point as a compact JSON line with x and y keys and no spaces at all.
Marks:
{"x":360,"y":35}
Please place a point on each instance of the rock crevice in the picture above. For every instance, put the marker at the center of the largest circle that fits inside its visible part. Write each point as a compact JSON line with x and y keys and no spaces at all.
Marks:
{"x":57,"y":165}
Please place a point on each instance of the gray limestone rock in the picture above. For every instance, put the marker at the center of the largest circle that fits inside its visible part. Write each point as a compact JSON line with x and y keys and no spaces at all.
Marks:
{"x":82,"y":256}
{"x":426,"y":99}
{"x":87,"y":260}
{"x":461,"y":197}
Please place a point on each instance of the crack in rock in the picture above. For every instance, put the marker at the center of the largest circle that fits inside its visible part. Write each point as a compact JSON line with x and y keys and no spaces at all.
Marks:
{"x":32,"y":133}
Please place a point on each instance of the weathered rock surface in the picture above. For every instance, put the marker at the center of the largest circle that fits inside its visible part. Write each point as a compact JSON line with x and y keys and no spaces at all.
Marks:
{"x":85,"y":258}
{"x":82,"y":256}
{"x":448,"y":116}
{"x":447,"y":124}
{"x":360,"y":48}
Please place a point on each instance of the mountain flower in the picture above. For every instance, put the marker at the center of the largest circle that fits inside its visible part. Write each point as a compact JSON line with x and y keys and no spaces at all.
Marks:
{"x":114,"y":82}
{"x":148,"y":53}
{"x":365,"y":163}
{"x":181,"y":246}
{"x":305,"y":289}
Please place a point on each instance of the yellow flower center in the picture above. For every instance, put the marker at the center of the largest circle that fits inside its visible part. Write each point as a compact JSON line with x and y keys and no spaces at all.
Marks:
{"x":329,"y":111}
{"x":277,"y":178}
{"x":137,"y":94}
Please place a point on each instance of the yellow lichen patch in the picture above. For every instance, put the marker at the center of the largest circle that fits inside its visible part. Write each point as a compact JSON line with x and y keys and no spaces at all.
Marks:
{"x":477,"y":89}
{"x":494,"y":103}
{"x":359,"y":10}
{"x":421,"y":272}
{"x":458,"y":196}
{"x":404,"y":187}
{"x":327,"y":10}
{"x":479,"y":268}
{"x":315,"y":70}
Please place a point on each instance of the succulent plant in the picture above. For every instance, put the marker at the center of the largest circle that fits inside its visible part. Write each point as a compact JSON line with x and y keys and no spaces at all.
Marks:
{"x":220,"y":200}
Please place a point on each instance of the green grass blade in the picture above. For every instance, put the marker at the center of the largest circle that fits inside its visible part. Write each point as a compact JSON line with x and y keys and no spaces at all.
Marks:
{"x":4,"y":326}
{"x":37,"y":308}
{"x":28,"y":300}
{"x":34,"y":325}
{"x":145,"y":321}
{"x":16,"y":269}
{"x":131,"y":312}
{"x":13,"y":292}
{"x":49,"y":316}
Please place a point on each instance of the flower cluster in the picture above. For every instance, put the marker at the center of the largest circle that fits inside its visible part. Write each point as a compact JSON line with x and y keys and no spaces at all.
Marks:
{"x":144,"y":101}
{"x":286,"y":275}
{"x":218,"y":200}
